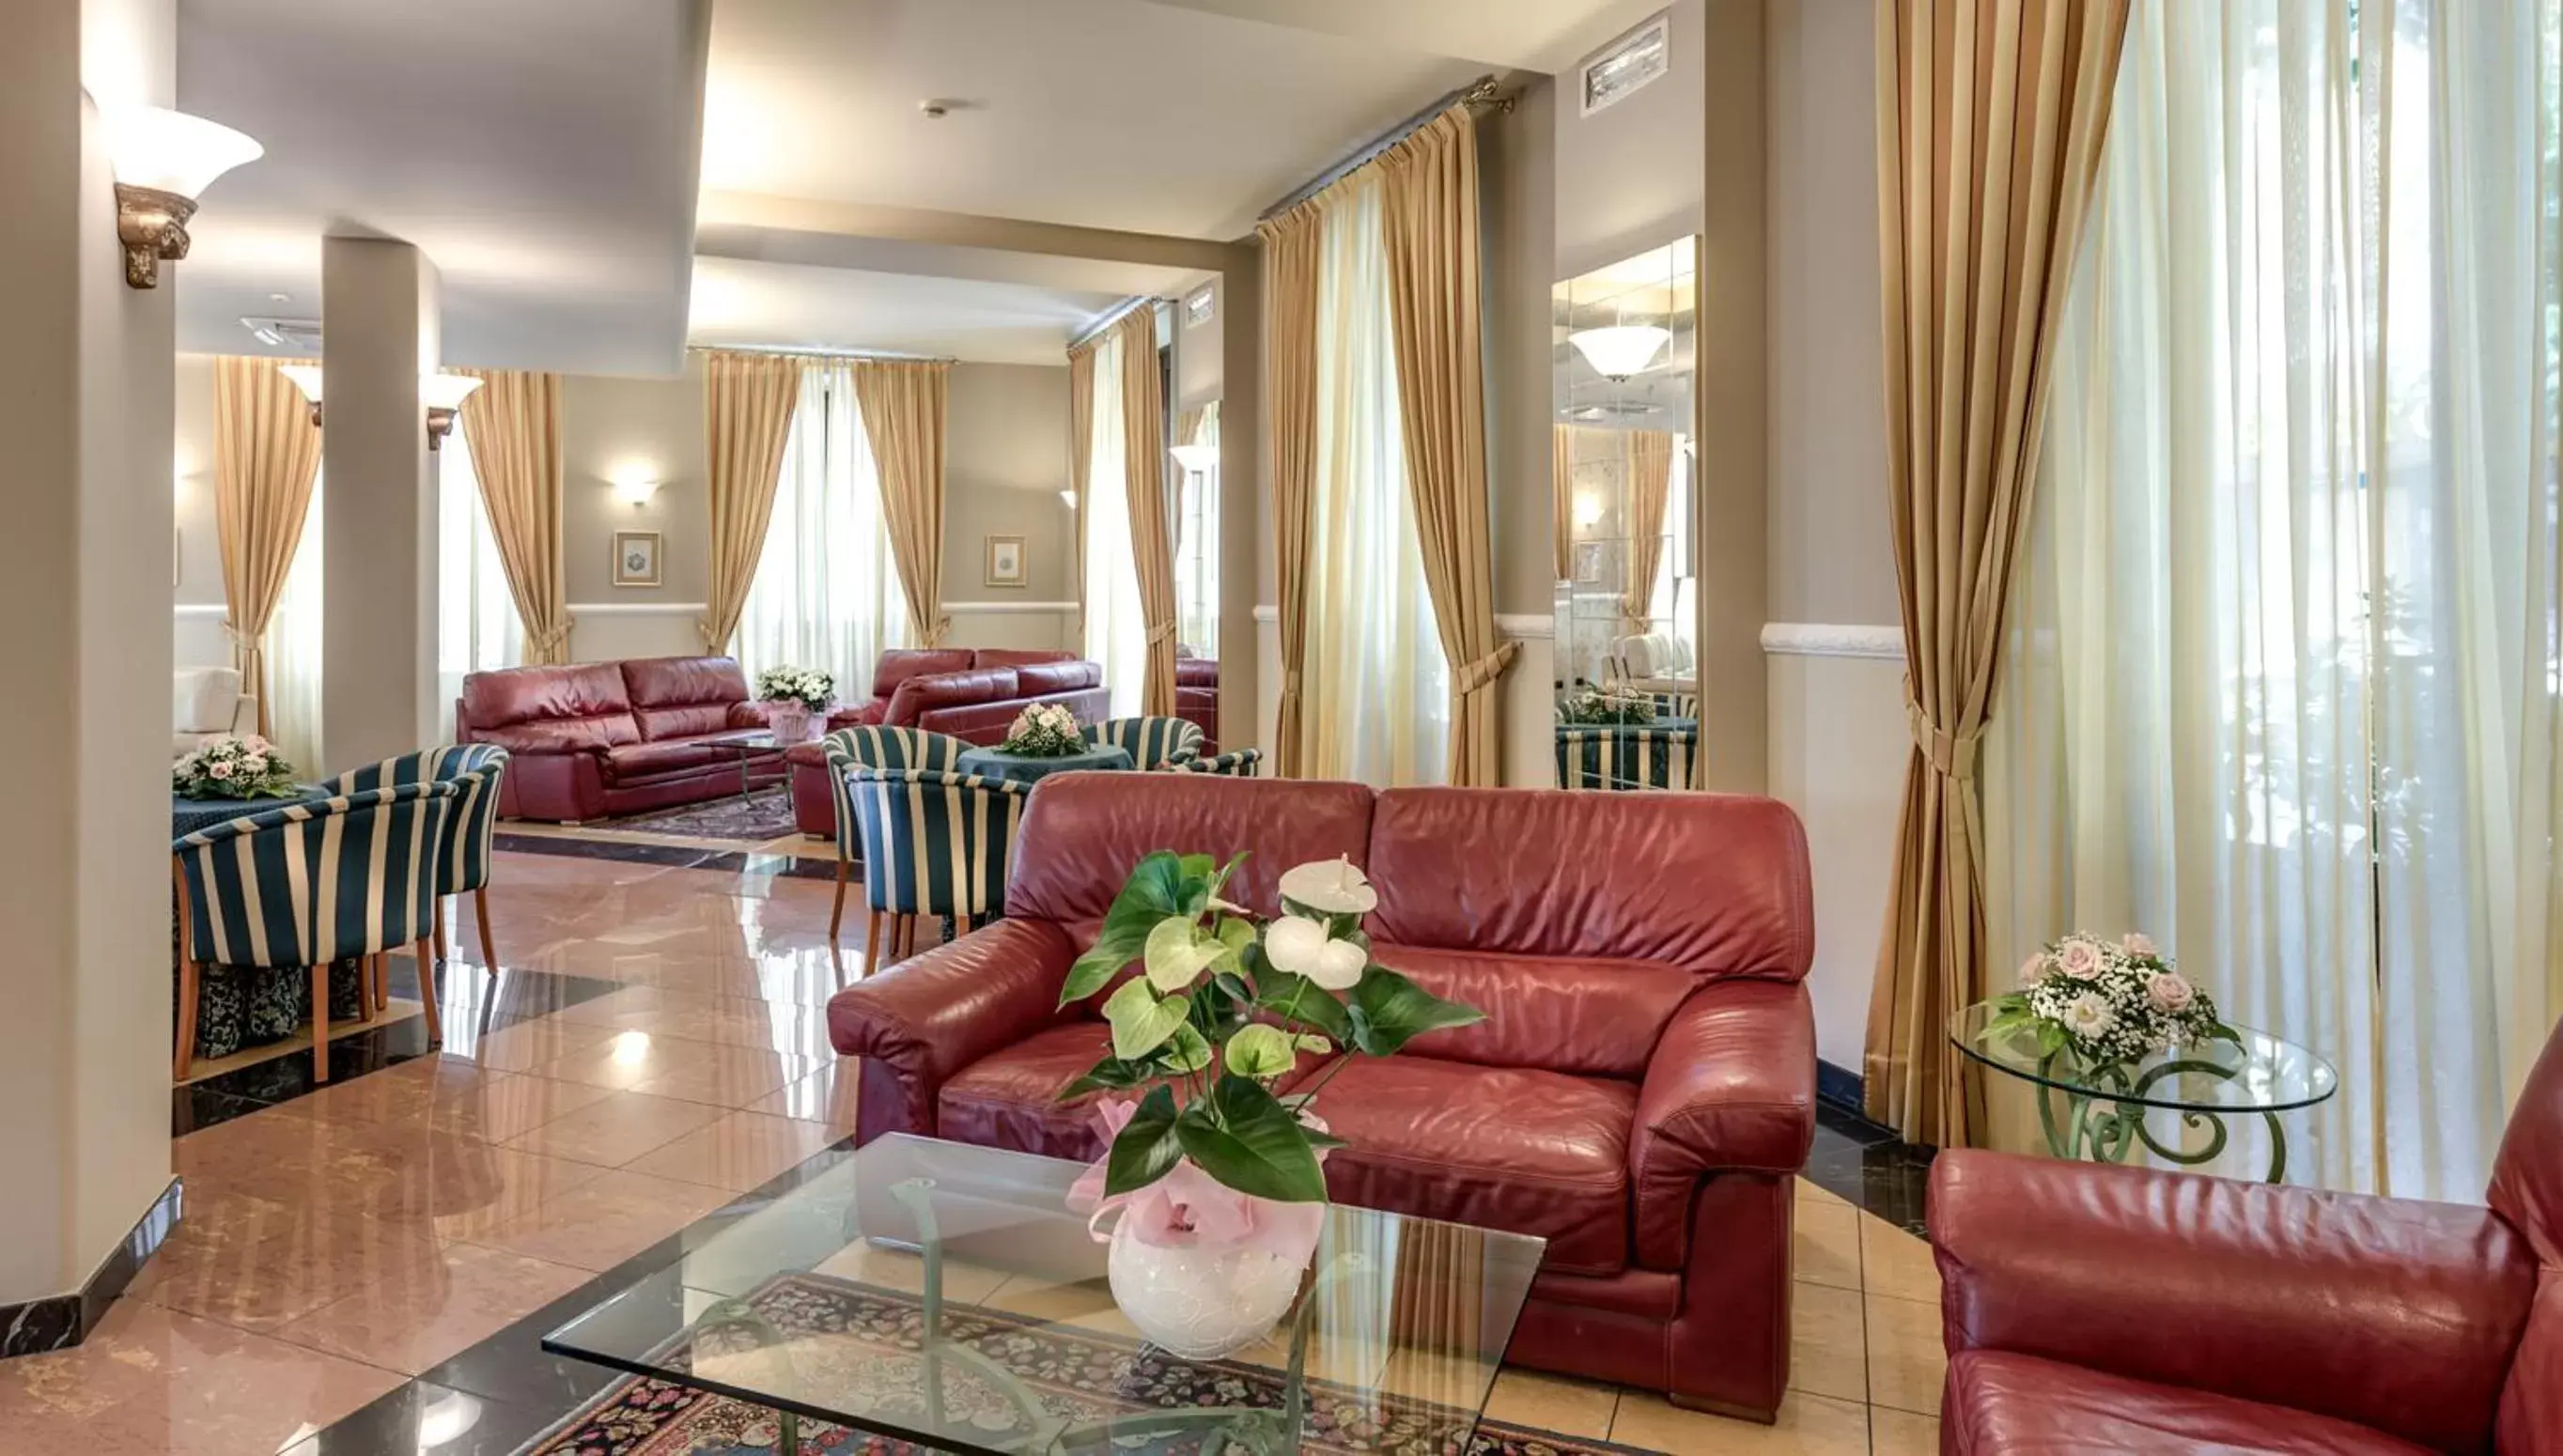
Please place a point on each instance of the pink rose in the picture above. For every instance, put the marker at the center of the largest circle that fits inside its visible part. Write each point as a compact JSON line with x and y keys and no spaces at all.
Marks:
{"x":218,"y":770}
{"x":2034,"y":969}
{"x":2170,"y":991}
{"x":2078,"y":959}
{"x":2136,"y":943}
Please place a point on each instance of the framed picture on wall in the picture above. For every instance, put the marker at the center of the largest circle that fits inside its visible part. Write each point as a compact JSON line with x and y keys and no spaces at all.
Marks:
{"x":636,"y":558}
{"x":1006,"y":562}
{"x":1588,"y":563}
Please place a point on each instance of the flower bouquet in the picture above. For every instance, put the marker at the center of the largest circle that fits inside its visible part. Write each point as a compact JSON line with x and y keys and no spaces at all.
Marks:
{"x":1219,"y":1192}
{"x":1044,"y":730}
{"x":800,"y":696}
{"x":1599,"y":705}
{"x":233,"y":768}
{"x":2105,"y":1002}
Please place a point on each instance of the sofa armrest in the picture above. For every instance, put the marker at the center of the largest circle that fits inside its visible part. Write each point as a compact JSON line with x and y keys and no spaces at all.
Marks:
{"x":1732,"y":1088}
{"x":2394,"y":1312}
{"x":560,"y":785}
{"x":928,"y":1017}
{"x":245,"y":715}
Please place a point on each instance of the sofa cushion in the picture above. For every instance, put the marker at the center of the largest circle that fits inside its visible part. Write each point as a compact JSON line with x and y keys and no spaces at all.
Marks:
{"x":563,"y":735}
{"x":687,"y":720}
{"x":899,"y":664}
{"x":1009,"y":1099}
{"x":2000,"y":1401}
{"x":1509,"y":1148}
{"x":867,"y":714}
{"x":667,"y":682}
{"x":1034,"y":679}
{"x":509,"y":696}
{"x":928,"y":691}
{"x":202,"y":700}
{"x":1082,"y":832}
{"x":1592,"y":1019}
{"x":1018,"y":657}
{"x":1543,"y":872}
{"x":642,"y":761}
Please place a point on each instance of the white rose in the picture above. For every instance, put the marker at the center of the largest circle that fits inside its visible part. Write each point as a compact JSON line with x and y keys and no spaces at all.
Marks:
{"x":2089,"y":1016}
{"x":2170,"y":991}
{"x":1330,"y":887}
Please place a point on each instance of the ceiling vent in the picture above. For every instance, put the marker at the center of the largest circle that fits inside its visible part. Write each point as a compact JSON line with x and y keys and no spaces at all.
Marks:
{"x":302,"y":335}
{"x":1626,"y":66}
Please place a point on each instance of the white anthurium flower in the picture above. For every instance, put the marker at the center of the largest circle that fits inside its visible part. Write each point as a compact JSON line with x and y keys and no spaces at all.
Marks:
{"x":1340,"y":965}
{"x":1330,"y":887}
{"x":1294,"y":942}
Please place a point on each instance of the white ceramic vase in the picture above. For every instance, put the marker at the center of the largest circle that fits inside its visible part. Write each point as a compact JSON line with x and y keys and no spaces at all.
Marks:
{"x":1202,"y":1302}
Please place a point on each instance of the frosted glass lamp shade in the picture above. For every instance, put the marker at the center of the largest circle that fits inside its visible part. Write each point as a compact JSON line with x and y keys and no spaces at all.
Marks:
{"x":1616,"y":353}
{"x":1201,"y":457}
{"x":171,"y":151}
{"x":306,"y":377}
{"x":445,"y":391}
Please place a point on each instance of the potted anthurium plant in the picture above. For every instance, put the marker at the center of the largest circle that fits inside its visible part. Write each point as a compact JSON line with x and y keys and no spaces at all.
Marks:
{"x":1213,"y":1166}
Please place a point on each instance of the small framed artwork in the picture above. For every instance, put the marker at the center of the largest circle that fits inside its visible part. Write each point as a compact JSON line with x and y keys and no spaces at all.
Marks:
{"x":636,"y":558}
{"x":1006,"y":562}
{"x":1588,"y":563}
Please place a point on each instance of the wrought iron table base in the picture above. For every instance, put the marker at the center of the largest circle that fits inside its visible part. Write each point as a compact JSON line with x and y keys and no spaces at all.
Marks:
{"x":2105,"y":1128}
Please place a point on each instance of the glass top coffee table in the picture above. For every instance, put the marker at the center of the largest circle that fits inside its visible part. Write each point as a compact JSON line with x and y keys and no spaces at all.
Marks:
{"x":944,"y":1294}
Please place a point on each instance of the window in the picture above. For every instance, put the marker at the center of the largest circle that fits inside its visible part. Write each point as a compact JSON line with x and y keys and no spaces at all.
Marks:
{"x":826,"y":592}
{"x":1196,"y":535}
{"x":477,"y":624}
{"x":1117,"y":630}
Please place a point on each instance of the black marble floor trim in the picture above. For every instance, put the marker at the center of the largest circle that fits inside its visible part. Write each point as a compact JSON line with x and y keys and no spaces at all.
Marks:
{"x":1869,"y":1167}
{"x":474,"y":1003}
{"x":667,"y":856}
{"x":1839,"y":1086}
{"x":60,"y":1321}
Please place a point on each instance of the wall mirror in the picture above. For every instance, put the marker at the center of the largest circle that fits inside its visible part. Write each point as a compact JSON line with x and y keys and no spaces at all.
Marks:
{"x":1193,"y":511}
{"x":1627,"y":604}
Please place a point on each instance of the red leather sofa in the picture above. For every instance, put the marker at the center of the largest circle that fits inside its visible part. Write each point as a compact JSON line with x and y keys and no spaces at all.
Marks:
{"x":968,"y":693}
{"x":598,"y":739}
{"x":2094,"y":1308}
{"x":1197,"y":698}
{"x":1641,"y":1094}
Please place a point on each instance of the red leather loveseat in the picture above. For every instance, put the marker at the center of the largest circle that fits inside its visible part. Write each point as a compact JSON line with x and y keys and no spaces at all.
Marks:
{"x":2095,"y":1308}
{"x":971,"y":693}
{"x":598,"y":739}
{"x":1641,"y":1094}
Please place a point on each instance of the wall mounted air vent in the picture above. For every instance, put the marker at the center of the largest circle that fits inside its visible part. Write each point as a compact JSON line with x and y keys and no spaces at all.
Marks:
{"x":302,"y":335}
{"x":1627,"y":66}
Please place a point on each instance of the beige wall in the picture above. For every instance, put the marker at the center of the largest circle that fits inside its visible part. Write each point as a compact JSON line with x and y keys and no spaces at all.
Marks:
{"x":612,"y":427}
{"x":1628,"y":176}
{"x":1005,"y":463}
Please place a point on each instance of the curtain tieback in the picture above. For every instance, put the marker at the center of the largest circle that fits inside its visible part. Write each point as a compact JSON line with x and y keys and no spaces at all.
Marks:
{"x":552,"y":640}
{"x":1482,"y":674}
{"x":1160,"y":633}
{"x":1951,"y":756}
{"x":704,"y":629}
{"x":1291,"y":683}
{"x":245,"y":641}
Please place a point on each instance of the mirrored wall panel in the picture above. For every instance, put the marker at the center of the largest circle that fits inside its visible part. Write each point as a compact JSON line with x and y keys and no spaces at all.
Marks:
{"x":1627,"y":604}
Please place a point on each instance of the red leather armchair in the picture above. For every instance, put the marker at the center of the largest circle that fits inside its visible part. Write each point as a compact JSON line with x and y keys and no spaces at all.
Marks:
{"x":2125,"y":1309}
{"x":610,"y":738}
{"x":1639,"y":1095}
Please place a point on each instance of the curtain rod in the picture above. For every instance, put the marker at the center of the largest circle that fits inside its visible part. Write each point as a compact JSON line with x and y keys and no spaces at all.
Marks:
{"x":1478,"y":92}
{"x":788,"y":351}
{"x":1115,"y":315}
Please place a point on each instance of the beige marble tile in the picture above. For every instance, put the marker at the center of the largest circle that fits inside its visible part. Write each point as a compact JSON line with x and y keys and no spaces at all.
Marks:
{"x":155,"y":1379}
{"x":1827,"y":1348}
{"x":1810,"y":1193}
{"x":1906,"y":1361}
{"x":1560,"y":1403}
{"x":509,"y":1105}
{"x":530,"y":1044}
{"x":411,"y":1326}
{"x":826,"y":1096}
{"x":1828,"y":1244}
{"x":1808,"y":1425}
{"x":1895,"y":1263}
{"x":1903,"y":1433}
{"x":730,"y":1076}
{"x":600,"y":1223}
{"x":740,"y":1152}
{"x":616,"y":1128}
{"x":326,"y":1254}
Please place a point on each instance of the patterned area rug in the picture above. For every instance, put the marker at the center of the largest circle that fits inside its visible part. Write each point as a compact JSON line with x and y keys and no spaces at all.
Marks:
{"x":858,"y":1336}
{"x":761,"y":816}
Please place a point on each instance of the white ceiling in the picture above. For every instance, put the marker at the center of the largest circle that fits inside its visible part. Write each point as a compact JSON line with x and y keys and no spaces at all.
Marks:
{"x":541,"y":154}
{"x":793,"y":307}
{"x":1546,"y":36}
{"x":1107,"y":114}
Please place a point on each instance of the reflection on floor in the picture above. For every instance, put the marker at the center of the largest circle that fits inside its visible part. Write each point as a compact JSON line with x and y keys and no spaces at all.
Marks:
{"x":364,"y":1268}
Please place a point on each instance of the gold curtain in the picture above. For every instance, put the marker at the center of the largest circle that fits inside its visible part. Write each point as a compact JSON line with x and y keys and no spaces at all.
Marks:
{"x":1561,"y":496}
{"x":1436,"y":300}
{"x":1291,"y":244}
{"x":1990,"y":121}
{"x":903,"y":412}
{"x":748,"y":401}
{"x":266,"y":452}
{"x":1188,"y":429}
{"x":512,"y":424}
{"x":1081,"y":454}
{"x":1651,"y":476}
{"x":1144,"y":426}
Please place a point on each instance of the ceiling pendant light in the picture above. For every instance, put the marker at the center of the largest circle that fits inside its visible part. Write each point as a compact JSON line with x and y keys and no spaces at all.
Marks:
{"x":1619,"y":352}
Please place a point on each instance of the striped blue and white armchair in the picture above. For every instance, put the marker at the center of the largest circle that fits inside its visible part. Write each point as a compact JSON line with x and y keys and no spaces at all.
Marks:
{"x":1155,"y":742}
{"x":874,"y":747}
{"x":1236,"y":764}
{"x":1625,"y":756}
{"x":463,"y":856}
{"x":309,"y":884}
{"x":934,"y":844}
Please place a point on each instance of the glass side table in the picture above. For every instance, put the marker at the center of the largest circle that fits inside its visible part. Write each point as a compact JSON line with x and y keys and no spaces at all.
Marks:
{"x":2101,"y":1112}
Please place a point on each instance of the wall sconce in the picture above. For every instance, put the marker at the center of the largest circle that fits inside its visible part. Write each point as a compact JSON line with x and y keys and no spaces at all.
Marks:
{"x":1588,"y":509}
{"x":635,"y":491}
{"x":1616,"y":353}
{"x":442,"y":393}
{"x":163,"y":161}
{"x":1068,"y":498}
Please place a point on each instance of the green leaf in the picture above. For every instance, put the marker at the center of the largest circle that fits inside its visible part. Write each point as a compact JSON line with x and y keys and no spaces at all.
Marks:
{"x":1156,"y":882}
{"x":1389,"y":1010}
{"x":1177,"y":955}
{"x":1148,"y":1146}
{"x":1141,"y":1022}
{"x":1259,"y":1050}
{"x":1188,"y":1051}
{"x":1111,"y":1074}
{"x":1247,"y":1140}
{"x":1318,"y":1044}
{"x":1302,"y":1001}
{"x":1236,"y":934}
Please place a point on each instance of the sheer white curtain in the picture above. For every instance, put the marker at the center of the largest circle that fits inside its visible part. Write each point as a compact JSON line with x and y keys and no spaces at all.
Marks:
{"x":2282,"y":683}
{"x":293,"y":651}
{"x":1116,"y":630}
{"x":476,"y":623}
{"x":825,"y":591}
{"x":1376,"y":694}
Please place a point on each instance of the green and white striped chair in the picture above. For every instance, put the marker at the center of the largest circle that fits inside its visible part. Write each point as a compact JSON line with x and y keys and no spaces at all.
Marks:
{"x":312,"y":883}
{"x":934,"y":844}
{"x":1155,"y":742}
{"x":897,"y":748}
{"x":1625,"y":756}
{"x":463,"y":861}
{"x":1236,"y":764}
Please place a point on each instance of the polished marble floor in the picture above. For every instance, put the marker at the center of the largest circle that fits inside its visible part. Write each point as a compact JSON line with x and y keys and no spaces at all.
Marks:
{"x":364,"y":1267}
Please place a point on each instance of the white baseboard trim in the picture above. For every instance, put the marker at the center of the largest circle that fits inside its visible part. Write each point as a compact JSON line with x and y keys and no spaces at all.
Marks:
{"x":639,"y":609}
{"x":1832,"y":640}
{"x":1007,"y":609}
{"x":1520,"y":628}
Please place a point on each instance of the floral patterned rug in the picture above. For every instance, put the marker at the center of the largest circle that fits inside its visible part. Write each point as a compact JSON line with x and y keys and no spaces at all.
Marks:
{"x":758,"y":817}
{"x":860,"y":1337}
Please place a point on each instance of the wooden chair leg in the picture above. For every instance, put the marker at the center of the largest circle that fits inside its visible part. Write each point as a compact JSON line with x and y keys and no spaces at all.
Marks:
{"x":427,"y":992}
{"x":960,"y":924}
{"x":320,"y":1022}
{"x":871,"y":945}
{"x":190,"y":978}
{"x":907,"y":936}
{"x":481,"y":914}
{"x":440,"y":928}
{"x":837,"y":912}
{"x":369,"y":978}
